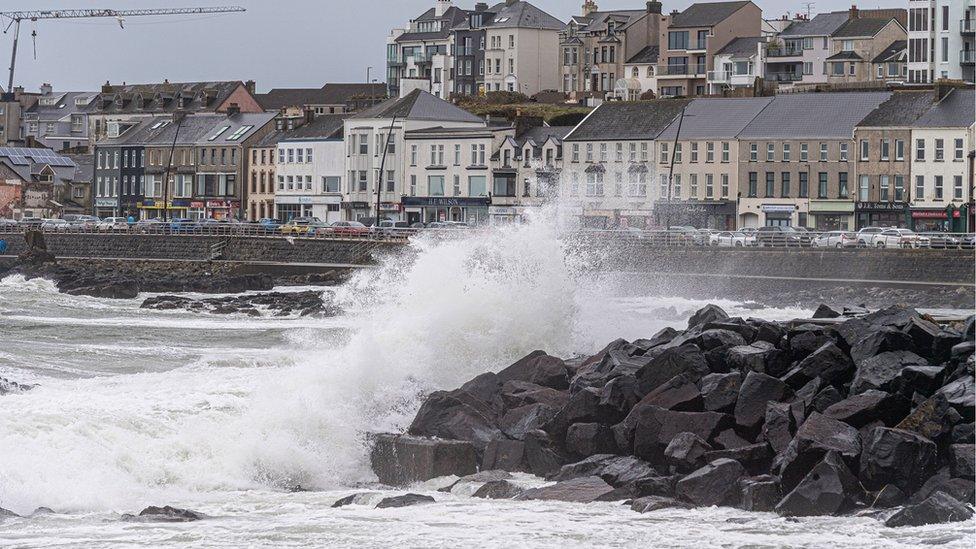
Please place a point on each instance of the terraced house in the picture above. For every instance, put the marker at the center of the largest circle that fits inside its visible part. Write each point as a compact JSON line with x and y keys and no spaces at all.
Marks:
{"x":309,"y":170}
{"x":529,"y":163}
{"x":862,"y":43}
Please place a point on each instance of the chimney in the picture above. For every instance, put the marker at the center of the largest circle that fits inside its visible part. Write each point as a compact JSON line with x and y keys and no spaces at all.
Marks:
{"x":441,"y":7}
{"x":854,"y":13}
{"x":481,"y":6}
{"x":674,"y":13}
{"x":943,"y":87}
{"x":178,"y":116}
{"x":654,"y":7}
{"x":589,"y":7}
{"x":106,"y":87}
{"x":233,"y":109}
{"x":250,"y":86}
{"x":309,"y":115}
{"x":46,"y":89}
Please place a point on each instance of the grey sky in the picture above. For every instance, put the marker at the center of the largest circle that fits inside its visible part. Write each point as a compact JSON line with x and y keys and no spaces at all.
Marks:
{"x":277,"y":43}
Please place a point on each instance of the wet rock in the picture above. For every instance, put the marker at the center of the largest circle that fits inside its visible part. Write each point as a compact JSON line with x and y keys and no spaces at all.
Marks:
{"x":720,"y":391}
{"x":827,"y":489}
{"x":758,"y":389}
{"x":901,"y":458}
{"x":881,"y":371}
{"x":165,"y":514}
{"x":930,"y":419}
{"x":619,"y":358}
{"x":518,"y":421}
{"x":805,"y":343}
{"x":538,"y":368}
{"x":714,"y":484}
{"x":655,"y":428}
{"x":888,"y":497}
{"x":938,"y":508}
{"x":647,"y":504}
{"x":583,"y":407}
{"x":779,"y":426}
{"x":767,"y":331}
{"x":871,"y":405}
{"x":826,"y":311}
{"x":479,"y":477}
{"x":9,"y":513}
{"x":686,"y":452}
{"x":523,"y":393}
{"x":760,"y":356}
{"x":708,"y":313}
{"x":756,"y":458}
{"x":615,"y":470}
{"x":924,"y":380}
{"x":827,"y":397}
{"x":879,"y":341}
{"x":711,"y":338}
{"x":760,"y":494}
{"x":398,"y":460}
{"x":829,"y":363}
{"x":961,"y":395}
{"x":456,"y":415}
{"x":587,"y":439}
{"x":686,"y":359}
{"x":498,"y":489}
{"x":542,"y":456}
{"x":350,"y":499}
{"x":959,"y":488}
{"x":678,"y":393}
{"x":405,"y":500}
{"x":507,"y":455}
{"x":121,"y":289}
{"x":578,"y":490}
{"x":278,"y":303}
{"x":817,"y":436}
{"x":963,"y":433}
{"x":962,"y":460}
{"x":620,"y":394}
{"x":38,"y":511}
{"x":747,"y":331}
{"x":729,"y":439}
{"x":9,"y":387}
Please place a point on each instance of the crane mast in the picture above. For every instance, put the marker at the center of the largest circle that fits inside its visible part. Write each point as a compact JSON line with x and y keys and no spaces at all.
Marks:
{"x":14,"y":18}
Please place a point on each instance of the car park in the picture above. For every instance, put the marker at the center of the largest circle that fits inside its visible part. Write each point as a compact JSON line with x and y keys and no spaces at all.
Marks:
{"x":113,"y":224}
{"x":55,"y":225}
{"x":727,"y":239}
{"x":82,"y":222}
{"x":302,"y":225}
{"x":7,"y":224}
{"x":154,"y":225}
{"x":778,"y":235}
{"x":835,"y":239}
{"x":183,"y":225}
{"x":945,"y":240}
{"x":31,"y":222}
{"x":269,"y":224}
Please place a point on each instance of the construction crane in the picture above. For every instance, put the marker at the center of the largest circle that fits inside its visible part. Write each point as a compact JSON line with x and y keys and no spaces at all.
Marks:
{"x":14,"y":18}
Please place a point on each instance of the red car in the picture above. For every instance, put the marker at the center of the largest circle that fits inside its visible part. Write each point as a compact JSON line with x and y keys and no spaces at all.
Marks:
{"x":348,"y":228}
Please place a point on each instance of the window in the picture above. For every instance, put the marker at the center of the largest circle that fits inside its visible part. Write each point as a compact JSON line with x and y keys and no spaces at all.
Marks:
{"x":676,"y":185}
{"x":883,"y":184}
{"x":885,"y":149}
{"x":435,"y":185}
{"x":299,"y":155}
{"x":939,"y":150}
{"x":413,"y":185}
{"x":216,"y":134}
{"x":643,"y":152}
{"x":239,"y":133}
{"x":753,"y":152}
{"x":693,"y":185}
{"x":804,"y":153}
{"x":957,"y":149}
{"x":823,"y":152}
{"x":804,"y":190}
{"x":677,"y":152}
{"x":436,"y":155}
{"x":899,"y":149}
{"x":770,"y":184}
{"x":457,"y":155}
{"x":864,"y":150}
{"x":710,"y":152}
{"x":770,"y":152}
{"x":362,"y":181}
{"x":725,"y":151}
{"x":899,"y":188}
{"x":957,"y":187}
{"x":603,"y":152}
{"x":786,"y":152}
{"x":390,"y":181}
{"x":678,"y":40}
{"x":619,"y":150}
{"x":694,"y":152}
{"x":784,"y":191}
{"x":632,"y":152}
{"x":938,"y":187}
{"x":920,"y":150}
{"x":413,"y":155}
{"x":725,"y":185}
{"x":575,"y":156}
{"x":477,"y":155}
{"x":594,"y":184}
{"x":457,"y":186}
{"x":709,"y":186}
{"x":664,"y":153}
{"x":919,"y":187}
{"x":753,"y":184}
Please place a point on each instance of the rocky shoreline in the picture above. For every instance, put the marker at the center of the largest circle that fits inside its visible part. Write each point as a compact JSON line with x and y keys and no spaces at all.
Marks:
{"x":849,"y":412}
{"x":305,"y":303}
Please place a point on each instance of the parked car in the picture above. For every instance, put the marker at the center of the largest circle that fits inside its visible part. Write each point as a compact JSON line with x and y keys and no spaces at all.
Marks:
{"x":154,"y":225}
{"x":778,"y":236}
{"x":347,"y":228}
{"x":728,"y":239}
{"x":8,"y":223}
{"x":31,"y":222}
{"x":702,"y":236}
{"x":681,"y":235}
{"x":269,"y":224}
{"x":113,"y":224}
{"x":945,"y":240}
{"x":968,"y":242}
{"x":866,"y":236}
{"x":54,"y":225}
{"x":806,"y":235}
{"x":301,"y":225}
{"x":900,"y":238}
{"x":835,"y":239}
{"x":220,"y":226}
{"x":183,"y":225}
{"x":86,"y":222}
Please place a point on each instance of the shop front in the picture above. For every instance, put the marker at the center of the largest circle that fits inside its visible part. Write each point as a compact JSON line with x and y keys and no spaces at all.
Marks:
{"x":106,"y":207}
{"x":428,"y":209}
{"x":355,"y":210}
{"x":325,"y":208}
{"x":150,"y":208}
{"x":702,"y":215}
{"x":223,"y":209}
{"x":881,"y":214}
{"x":832,"y":215}
{"x":778,"y":215}
{"x":933,"y":220}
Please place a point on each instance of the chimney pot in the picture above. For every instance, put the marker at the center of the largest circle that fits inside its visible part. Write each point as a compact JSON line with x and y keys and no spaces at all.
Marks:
{"x":233,"y":109}
{"x":654,"y":6}
{"x":854,"y":12}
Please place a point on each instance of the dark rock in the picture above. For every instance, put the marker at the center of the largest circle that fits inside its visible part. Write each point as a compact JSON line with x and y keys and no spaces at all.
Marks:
{"x":617,"y":471}
{"x":961,"y":460}
{"x":122,"y":289}
{"x":587,"y":439}
{"x":718,"y":360}
{"x":756,"y":458}
{"x":964,"y":433}
{"x":39,"y":511}
{"x":827,"y":397}
{"x":523,"y":393}
{"x":685,"y":452}
{"x":924,"y":380}
{"x":165,"y":514}
{"x":578,"y":490}
{"x":304,"y":303}
{"x":647,"y":504}
{"x":938,"y":508}
{"x":678,"y":393}
{"x":405,"y":500}
{"x":349,"y":500}
{"x":477,"y":478}
{"x":664,"y":335}
{"x":808,"y":391}
{"x":542,"y":456}
{"x":615,"y":360}
{"x":961,"y":395}
{"x":829,"y":363}
{"x":760,"y":356}
{"x":805,"y":343}
{"x":729,"y":439}
{"x":871,"y":405}
{"x":888,"y":497}
{"x":767,"y":331}
{"x":507,"y":455}
{"x":720,"y":391}
{"x":881,"y":371}
{"x":879,"y":341}
{"x":712,"y":338}
{"x":655,"y":427}
{"x":959,"y":488}
{"x":817,"y":436}
{"x":539,"y":368}
{"x":779,"y":426}
{"x":8,"y":513}
{"x":8,"y":387}
{"x":901,"y":458}
{"x":826,"y":311}
{"x":686,"y":359}
{"x":708,"y":313}
{"x":398,"y":460}
{"x":583,"y":407}
{"x":714,"y":484}
{"x":828,"y":488}
{"x":498,"y":489}
{"x":930,"y":419}
{"x":758,"y":389}
{"x":760,"y":494}
{"x":518,"y":421}
{"x":943,"y":345}
{"x":620,"y":394}
{"x":923,"y":334}
{"x":456,"y":415}
{"x":747,"y":331}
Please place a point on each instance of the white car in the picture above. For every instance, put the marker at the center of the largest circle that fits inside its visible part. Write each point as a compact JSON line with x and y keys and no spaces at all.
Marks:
{"x":835,"y":239}
{"x":113,"y":224}
{"x":729,"y":239}
{"x":866,"y":236}
{"x":54,"y":225}
{"x":900,"y":238}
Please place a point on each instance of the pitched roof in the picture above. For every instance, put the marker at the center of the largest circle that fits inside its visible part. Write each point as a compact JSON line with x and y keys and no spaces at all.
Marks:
{"x":419,"y":105}
{"x":162,"y":97}
{"x":896,"y":51}
{"x":903,"y":108}
{"x":748,"y":45}
{"x":813,"y":115}
{"x":845,"y":56}
{"x":338,"y":94}
{"x":648,"y":55}
{"x":323,"y":126}
{"x":452,"y":17}
{"x":540,"y":134}
{"x":200,"y":129}
{"x":716,"y":118}
{"x":627,"y":120}
{"x":706,"y":14}
{"x":523,"y":15}
{"x":290,"y":97}
{"x":862,"y":26}
{"x":28,"y":161}
{"x":823,"y":24}
{"x":956,"y":110}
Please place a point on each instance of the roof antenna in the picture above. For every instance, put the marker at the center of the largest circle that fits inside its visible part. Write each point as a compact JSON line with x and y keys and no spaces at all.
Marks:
{"x":808,"y":6}
{"x":34,"y":42}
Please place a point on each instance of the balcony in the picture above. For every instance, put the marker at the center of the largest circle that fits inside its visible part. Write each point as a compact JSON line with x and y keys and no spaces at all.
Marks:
{"x":784,"y":76}
{"x":697,"y":45}
{"x":730,"y":76}
{"x":967,"y":26}
{"x":967,"y":57}
{"x":681,"y":70}
{"x":777,"y":52}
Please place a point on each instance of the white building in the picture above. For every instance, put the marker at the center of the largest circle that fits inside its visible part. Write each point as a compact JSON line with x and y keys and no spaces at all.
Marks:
{"x":640,"y":72}
{"x":941,"y":40}
{"x":310,"y":168}
{"x":738,"y":64}
{"x":522,"y":50}
{"x":421,"y":55}
{"x":800,"y":52}
{"x":526,"y":172}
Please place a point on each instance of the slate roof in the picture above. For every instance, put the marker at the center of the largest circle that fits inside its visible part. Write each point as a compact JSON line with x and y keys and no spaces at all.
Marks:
{"x":199,"y":129}
{"x":627,"y":120}
{"x":419,"y":105}
{"x":523,"y":15}
{"x":329,"y":94}
{"x":540,"y":134}
{"x":956,"y":110}
{"x":813,"y":115}
{"x":26,"y":162}
{"x":716,"y":118}
{"x":84,"y":167}
{"x":706,"y":14}
{"x":861,"y":26}
{"x":742,"y":46}
{"x":845,"y":56}
{"x":597,"y":21}
{"x":64,"y":106}
{"x":902,"y":109}
{"x":453,"y":16}
{"x":894,"y":52}
{"x":823,"y":24}
{"x":648,"y":55}
{"x":323,"y":126}
{"x":163,"y":97}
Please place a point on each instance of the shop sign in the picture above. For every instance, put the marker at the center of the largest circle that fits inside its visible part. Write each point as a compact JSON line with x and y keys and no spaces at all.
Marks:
{"x":180,"y":203}
{"x":196,"y":204}
{"x":933,"y":214}
{"x":778,"y":208}
{"x":389,"y":206}
{"x":502,"y":210}
{"x":218,"y":204}
{"x":355,"y":205}
{"x":885,"y":206}
{"x":304,"y":199}
{"x":832,"y":206}
{"x":105,"y":203}
{"x":445,"y":201}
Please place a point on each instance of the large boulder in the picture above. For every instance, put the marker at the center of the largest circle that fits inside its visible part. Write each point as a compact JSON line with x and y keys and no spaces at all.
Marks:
{"x":398,"y":460}
{"x":757,"y":390}
{"x":617,"y":359}
{"x":686,"y":452}
{"x":756,"y":458}
{"x":456,"y":415}
{"x":405,"y":500}
{"x":518,"y":421}
{"x":960,"y":488}
{"x":961,"y":395}
{"x":778,"y":426}
{"x":655,"y":427}
{"x":163,"y":514}
{"x":829,"y":363}
{"x":684,"y":359}
{"x":648,"y":504}
{"x":714,"y":484}
{"x":827,"y":489}
{"x":620,"y":394}
{"x":961,"y":460}
{"x":802,"y":344}
{"x":577,"y":490}
{"x":901,"y":458}
{"x":506,"y":455}
{"x":497,"y":489}
{"x":869,"y":406}
{"x":587,"y":439}
{"x":879,"y":341}
{"x":720,"y":391}
{"x":760,"y":356}
{"x":678,"y":393}
{"x":712,"y":338}
{"x":523,"y":393}
{"x":759,"y":494}
{"x":938,"y":508}
{"x":881,"y":371}
{"x":542,"y":455}
{"x":583,"y":407}
{"x":932,"y":419}
{"x":708,"y":313}
{"x":817,"y":436}
{"x":539,"y":368}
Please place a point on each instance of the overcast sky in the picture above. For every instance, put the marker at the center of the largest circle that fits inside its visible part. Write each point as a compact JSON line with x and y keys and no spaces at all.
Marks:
{"x":277,"y":43}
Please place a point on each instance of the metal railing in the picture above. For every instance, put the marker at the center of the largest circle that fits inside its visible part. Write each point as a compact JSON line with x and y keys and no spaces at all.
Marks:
{"x":967,"y":56}
{"x":967,"y":26}
{"x":681,"y":70}
{"x":784,"y":52}
{"x":784,"y":76}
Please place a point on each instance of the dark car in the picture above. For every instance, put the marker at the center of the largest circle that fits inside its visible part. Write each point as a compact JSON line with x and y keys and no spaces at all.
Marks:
{"x":945,"y":240}
{"x":778,"y":236}
{"x":183,"y":225}
{"x":681,"y":235}
{"x":806,"y":236}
